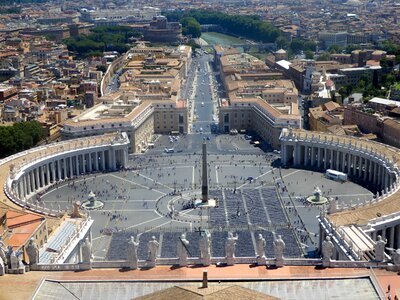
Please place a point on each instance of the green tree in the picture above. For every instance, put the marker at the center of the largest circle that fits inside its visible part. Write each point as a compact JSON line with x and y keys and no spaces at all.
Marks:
{"x":324,"y":56}
{"x":297,"y":45}
{"x":191,"y":27}
{"x":246,"y":26}
{"x":310,"y":46}
{"x":20,"y":136}
{"x":309,"y":54}
{"x":102,"y":38}
{"x":282,"y":42}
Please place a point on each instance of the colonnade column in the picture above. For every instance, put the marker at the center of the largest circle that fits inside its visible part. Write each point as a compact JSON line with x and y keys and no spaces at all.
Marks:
{"x":35,"y":179}
{"x":47,"y":177}
{"x":113,"y":159}
{"x":372,"y":168}
{"x":343,"y":162}
{"x":366,"y":163}
{"x":313,"y":156}
{"x":41,"y":173}
{"x":71,"y":168}
{"x":59,"y":169}
{"x":103,"y":162}
{"x":337,"y":160}
{"x":319,"y":157}
{"x":96,"y":161}
{"x":386,"y":180}
{"x":23,"y":179}
{"x":53,"y":171}
{"x":305,"y":156}
{"x":398,"y":236}
{"x":29,"y":182}
{"x":391,"y":237}
{"x":90,"y":162}
{"x":64,"y":169}
{"x":77,"y":165}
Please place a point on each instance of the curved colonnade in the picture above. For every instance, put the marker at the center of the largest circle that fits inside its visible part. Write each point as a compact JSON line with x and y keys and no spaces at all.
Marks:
{"x":372,"y":163}
{"x":29,"y":172}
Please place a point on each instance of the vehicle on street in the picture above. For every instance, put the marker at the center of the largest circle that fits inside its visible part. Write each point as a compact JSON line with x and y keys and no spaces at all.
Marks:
{"x":233,"y":132}
{"x":169,"y":150}
{"x":336,"y":175}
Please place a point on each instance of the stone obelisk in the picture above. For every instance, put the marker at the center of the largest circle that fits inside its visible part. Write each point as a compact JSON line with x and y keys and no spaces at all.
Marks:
{"x":204,"y":177}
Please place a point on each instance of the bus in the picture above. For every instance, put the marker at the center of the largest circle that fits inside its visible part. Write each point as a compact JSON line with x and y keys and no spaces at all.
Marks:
{"x":170,"y":150}
{"x":336,"y":175}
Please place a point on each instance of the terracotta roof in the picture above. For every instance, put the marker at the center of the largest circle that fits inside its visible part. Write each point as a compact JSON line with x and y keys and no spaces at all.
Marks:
{"x":329,"y":106}
{"x":16,"y":219}
{"x":214,"y":292}
{"x":22,"y":234}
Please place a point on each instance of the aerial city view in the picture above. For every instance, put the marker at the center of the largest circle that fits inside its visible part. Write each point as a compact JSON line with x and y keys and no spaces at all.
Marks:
{"x":199,"y":149}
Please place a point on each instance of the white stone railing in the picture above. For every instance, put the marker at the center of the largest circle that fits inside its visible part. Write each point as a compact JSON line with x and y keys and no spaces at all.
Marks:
{"x":197,"y":261}
{"x":73,"y":239}
{"x":339,"y":239}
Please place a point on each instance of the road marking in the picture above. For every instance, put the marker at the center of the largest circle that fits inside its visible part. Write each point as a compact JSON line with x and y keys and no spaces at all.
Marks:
{"x":267,"y":213}
{"x":225,"y":208}
{"x":99,"y":237}
{"x":291,"y":173}
{"x":244,"y":184}
{"x":151,"y":220}
{"x":248,"y":220}
{"x":138,"y":184}
{"x":156,"y":182}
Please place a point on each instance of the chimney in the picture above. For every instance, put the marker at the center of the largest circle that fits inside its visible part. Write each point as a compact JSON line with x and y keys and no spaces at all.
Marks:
{"x":205,"y":279}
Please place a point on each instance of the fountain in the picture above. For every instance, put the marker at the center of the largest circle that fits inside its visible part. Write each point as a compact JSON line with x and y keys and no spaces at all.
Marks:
{"x":92,"y":203}
{"x":316,"y":197}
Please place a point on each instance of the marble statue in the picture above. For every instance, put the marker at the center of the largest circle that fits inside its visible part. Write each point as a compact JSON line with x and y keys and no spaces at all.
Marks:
{"x":3,"y":255}
{"x":87,"y":251}
{"x":2,"y":267}
{"x":33,"y":252}
{"x":327,"y":251}
{"x":205,"y":248}
{"x":279,"y":247}
{"x":133,"y":246}
{"x":182,"y":251}
{"x":8,"y":255}
{"x":76,"y":210}
{"x":260,"y":249}
{"x":14,"y":261}
{"x":380,"y":249}
{"x":395,"y":257}
{"x":230,"y":248}
{"x":261,"y":243}
{"x":152,"y":246}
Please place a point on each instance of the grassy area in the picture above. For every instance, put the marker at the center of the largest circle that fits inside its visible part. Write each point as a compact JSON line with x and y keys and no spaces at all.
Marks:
{"x":397,"y":86}
{"x":214,"y":38}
